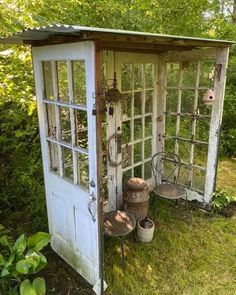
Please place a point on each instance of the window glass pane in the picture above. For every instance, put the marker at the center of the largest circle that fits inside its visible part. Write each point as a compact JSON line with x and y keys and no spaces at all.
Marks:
{"x":148,"y":101}
{"x":48,"y":84}
{"x":185,"y":130}
{"x":138,"y":129}
{"x":138,"y":171}
{"x":189,"y":74}
{"x":206,"y":73}
{"x":126,"y":176}
{"x":187,"y":101}
{"x":138,"y":152}
{"x":172,"y":74}
{"x":199,"y":179}
{"x":63,"y":90}
{"x":67,"y":163}
{"x":149,"y":69}
{"x":148,"y":148}
{"x":54,"y":162}
{"x":126,"y":77}
{"x":81,"y":127}
{"x":184,"y":151}
{"x":51,"y":120}
{"x":138,"y":76}
{"x":65,"y":124}
{"x":168,"y":170}
{"x":184,"y":176}
{"x":126,"y":131}
{"x":202,"y":129}
{"x":148,"y":126}
{"x":83,"y":170}
{"x":126,"y":105}
{"x":79,"y":81}
{"x":147,"y":170}
{"x":200,"y":155}
{"x":170,"y":126}
{"x":137,"y":103}
{"x":170,"y":146}
{"x":126,"y":157}
{"x":171,"y":100}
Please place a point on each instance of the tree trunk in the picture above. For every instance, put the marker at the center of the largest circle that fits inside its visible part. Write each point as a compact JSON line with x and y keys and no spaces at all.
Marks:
{"x":234,"y":13}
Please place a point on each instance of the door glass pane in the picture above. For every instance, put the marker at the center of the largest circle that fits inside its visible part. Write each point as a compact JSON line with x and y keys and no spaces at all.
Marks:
{"x":137,"y":152}
{"x":202,"y":130}
{"x":51,"y":120}
{"x":54,"y":162}
{"x":189,"y":74}
{"x":199,"y":179}
{"x":126,"y":105}
{"x":184,"y":176}
{"x":83,"y":170}
{"x":48,"y":84}
{"x":147,"y":170}
{"x":148,"y":148}
{"x":172,"y":74}
{"x":187,"y":101}
{"x":67,"y":163}
{"x":148,"y":126}
{"x":148,"y":101}
{"x":171,"y":100}
{"x":185,"y":127}
{"x":65,"y":124}
{"x":170,"y":146}
{"x":138,"y":129}
{"x":200,"y":155}
{"x":126,"y":157}
{"x":138,"y":171}
{"x":81,"y":127}
{"x":126,"y":176}
{"x":170,"y":125}
{"x":184,"y":151}
{"x":63,"y":90}
{"x":126,"y":77}
{"x":79,"y":81}
{"x":149,"y":70}
{"x":138,"y":76}
{"x":138,"y":103}
{"x":126,"y":131}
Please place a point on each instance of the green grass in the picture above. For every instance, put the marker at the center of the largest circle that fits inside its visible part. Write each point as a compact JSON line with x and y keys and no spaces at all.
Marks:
{"x":198,"y":258}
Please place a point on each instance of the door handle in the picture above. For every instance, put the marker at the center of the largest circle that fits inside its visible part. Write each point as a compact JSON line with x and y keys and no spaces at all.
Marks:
{"x":92,"y":200}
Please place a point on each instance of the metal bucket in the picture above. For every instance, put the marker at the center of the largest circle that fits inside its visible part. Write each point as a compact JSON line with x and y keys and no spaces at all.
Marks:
{"x":136,"y":197}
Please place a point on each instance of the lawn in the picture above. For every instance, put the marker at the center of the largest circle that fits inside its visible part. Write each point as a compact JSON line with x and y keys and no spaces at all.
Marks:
{"x":196,"y":258}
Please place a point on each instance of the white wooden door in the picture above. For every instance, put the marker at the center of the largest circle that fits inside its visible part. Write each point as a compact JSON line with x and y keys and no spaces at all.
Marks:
{"x":134,"y":118}
{"x":65,"y":88}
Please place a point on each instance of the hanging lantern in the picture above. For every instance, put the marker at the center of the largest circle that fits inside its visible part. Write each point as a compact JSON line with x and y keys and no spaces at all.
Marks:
{"x":209,"y":97}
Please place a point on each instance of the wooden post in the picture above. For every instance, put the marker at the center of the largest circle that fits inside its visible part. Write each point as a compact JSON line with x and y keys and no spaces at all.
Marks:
{"x":216,"y":118}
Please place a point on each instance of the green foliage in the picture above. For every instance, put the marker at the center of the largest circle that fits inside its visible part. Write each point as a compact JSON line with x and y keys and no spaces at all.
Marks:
{"x":221,"y":198}
{"x":20,"y":259}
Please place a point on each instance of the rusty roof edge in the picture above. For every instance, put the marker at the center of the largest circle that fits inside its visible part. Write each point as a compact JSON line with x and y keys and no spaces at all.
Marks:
{"x":19,"y":38}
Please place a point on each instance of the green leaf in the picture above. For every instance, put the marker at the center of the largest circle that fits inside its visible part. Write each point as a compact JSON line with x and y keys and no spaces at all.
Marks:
{"x":10,"y":260}
{"x":4,"y":273}
{"x":20,"y":245}
{"x":33,"y":259}
{"x":26,"y":288}
{"x":38,"y":240}
{"x":2,"y":259}
{"x":22,"y":266}
{"x":39,"y":286}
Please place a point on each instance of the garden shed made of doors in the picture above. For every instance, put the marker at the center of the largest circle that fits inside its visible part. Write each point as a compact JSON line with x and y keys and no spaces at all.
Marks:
{"x":108,"y":100}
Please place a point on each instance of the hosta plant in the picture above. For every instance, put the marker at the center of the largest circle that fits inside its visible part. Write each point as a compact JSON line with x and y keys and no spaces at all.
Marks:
{"x":20,"y":259}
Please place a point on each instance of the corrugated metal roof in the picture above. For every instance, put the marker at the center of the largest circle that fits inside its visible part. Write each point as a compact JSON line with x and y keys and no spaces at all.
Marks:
{"x":44,"y":33}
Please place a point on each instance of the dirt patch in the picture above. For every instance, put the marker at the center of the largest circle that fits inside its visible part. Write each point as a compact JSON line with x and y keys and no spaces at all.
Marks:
{"x":229,"y":210}
{"x":61,"y":279}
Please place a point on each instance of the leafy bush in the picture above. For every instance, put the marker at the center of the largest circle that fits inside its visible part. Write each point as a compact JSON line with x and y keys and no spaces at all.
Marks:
{"x":20,"y":259}
{"x":221,"y":198}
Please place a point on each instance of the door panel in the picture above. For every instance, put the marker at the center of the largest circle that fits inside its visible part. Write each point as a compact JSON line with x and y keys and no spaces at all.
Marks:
{"x":65,"y":90}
